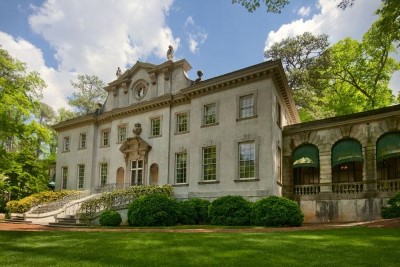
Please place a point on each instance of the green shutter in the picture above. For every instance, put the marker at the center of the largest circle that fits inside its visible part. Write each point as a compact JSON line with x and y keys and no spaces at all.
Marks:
{"x":346,"y":151}
{"x":306,"y":156}
{"x":388,"y":146}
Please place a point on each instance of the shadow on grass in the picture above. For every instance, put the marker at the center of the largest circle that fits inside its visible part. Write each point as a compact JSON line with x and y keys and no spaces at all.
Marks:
{"x":337,"y":247}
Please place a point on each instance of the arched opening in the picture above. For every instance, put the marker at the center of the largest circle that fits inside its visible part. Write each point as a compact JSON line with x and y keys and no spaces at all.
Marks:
{"x":347,"y":161}
{"x":388,"y":156}
{"x":306,"y":165}
{"x":154,"y":174}
{"x":120,"y":175}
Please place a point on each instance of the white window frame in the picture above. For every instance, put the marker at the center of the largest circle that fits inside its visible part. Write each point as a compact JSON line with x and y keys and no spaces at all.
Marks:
{"x":66,"y":144}
{"x":240,"y":161}
{"x":122,"y":136}
{"x":204,"y":164}
{"x":136,"y":169}
{"x":105,"y":136}
{"x":103,"y":175}
{"x":203,"y":114}
{"x":82,"y":141}
{"x":247,"y":139}
{"x":183,"y":168}
{"x":159,"y":118}
{"x":81,"y":176}
{"x":178,"y":115}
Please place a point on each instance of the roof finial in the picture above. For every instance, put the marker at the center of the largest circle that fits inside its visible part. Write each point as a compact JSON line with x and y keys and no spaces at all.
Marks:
{"x":170,"y":52}
{"x":118,"y":73}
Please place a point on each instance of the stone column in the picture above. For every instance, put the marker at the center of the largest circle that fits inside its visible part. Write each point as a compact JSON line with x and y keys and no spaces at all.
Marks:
{"x":325,"y":169}
{"x":369,"y":170}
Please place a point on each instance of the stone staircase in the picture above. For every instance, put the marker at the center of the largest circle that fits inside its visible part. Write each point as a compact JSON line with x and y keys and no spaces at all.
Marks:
{"x":17,"y":219}
{"x":67,"y":221}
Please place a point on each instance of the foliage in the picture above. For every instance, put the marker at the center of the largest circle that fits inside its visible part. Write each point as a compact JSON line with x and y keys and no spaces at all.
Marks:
{"x":393,"y":210}
{"x":65,"y":114}
{"x":193,"y":211}
{"x":230,"y":210}
{"x":120,"y":197}
{"x":88,"y":92}
{"x":27,"y":203}
{"x":276,"y":6}
{"x":389,"y":20}
{"x":276,"y":211}
{"x":299,"y":56}
{"x":25,"y":138}
{"x":110,"y":218}
{"x":153,"y":210}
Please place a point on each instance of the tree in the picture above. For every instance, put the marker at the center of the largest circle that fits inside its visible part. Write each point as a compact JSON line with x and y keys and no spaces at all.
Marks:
{"x":23,"y":167}
{"x":358,"y":75}
{"x":276,"y":6}
{"x":88,"y":93}
{"x":299,"y":57}
{"x":389,"y":22}
{"x":65,"y":114}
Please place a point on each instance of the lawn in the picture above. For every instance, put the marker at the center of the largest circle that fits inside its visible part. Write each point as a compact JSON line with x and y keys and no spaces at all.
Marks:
{"x":335,"y":247}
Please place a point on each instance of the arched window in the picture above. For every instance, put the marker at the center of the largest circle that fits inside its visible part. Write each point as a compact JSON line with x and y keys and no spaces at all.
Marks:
{"x":306,"y":165}
{"x":388,"y":156}
{"x":347,"y":161}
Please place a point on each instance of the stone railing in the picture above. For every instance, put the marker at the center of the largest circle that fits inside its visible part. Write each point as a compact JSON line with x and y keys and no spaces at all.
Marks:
{"x":388,"y":185}
{"x":109,"y":187}
{"x":302,"y":190}
{"x":348,"y":188}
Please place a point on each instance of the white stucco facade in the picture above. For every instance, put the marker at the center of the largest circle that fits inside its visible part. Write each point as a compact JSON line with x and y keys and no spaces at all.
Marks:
{"x":248,"y":109}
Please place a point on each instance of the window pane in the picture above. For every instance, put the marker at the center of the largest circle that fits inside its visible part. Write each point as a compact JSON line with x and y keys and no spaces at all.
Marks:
{"x":209,"y":114}
{"x":103,"y":173}
{"x":155,"y":127}
{"x":122,"y":133}
{"x":182,"y":123}
{"x":209,"y":163}
{"x":181,"y":163}
{"x":246,"y":160}
{"x":81,"y":176}
{"x":246,"y":106}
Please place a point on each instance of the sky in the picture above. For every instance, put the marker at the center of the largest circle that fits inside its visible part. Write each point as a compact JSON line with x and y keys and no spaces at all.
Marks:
{"x":64,"y":38}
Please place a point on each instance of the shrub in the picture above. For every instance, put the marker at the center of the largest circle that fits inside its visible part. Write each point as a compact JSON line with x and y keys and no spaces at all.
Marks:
{"x":193,"y":211}
{"x":110,"y":218}
{"x":276,"y":211}
{"x":393,"y":210}
{"x":230,"y":210}
{"x":153,"y":210}
{"x":25,"y":204}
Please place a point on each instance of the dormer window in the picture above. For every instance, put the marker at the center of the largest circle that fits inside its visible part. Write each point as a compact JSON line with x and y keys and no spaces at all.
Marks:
{"x":140,"y":91}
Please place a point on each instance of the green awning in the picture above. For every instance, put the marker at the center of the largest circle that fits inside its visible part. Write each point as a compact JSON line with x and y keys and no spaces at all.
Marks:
{"x":306,"y":156}
{"x":388,"y":146}
{"x":346,"y":151}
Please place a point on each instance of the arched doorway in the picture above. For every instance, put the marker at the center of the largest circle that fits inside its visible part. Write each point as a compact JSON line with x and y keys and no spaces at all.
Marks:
{"x":120,"y":175}
{"x":154,"y":174}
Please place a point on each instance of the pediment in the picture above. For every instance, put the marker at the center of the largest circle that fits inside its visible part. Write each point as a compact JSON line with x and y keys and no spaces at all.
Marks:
{"x":134,"y":145}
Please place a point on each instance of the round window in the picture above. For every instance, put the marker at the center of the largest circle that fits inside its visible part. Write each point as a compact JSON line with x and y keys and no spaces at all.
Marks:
{"x":140,"y":91}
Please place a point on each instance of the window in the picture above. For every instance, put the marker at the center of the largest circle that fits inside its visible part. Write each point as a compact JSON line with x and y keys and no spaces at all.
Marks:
{"x":156,"y":127}
{"x":306,"y":165}
{"x":182,"y":122}
{"x":246,"y":106}
{"x":121,"y":133}
{"x":66,"y":143}
{"x":210,"y":114}
{"x":103,"y":174}
{"x":278,"y":114}
{"x":210,"y":163}
{"x":137,"y":172}
{"x":82,"y":140}
{"x":81,"y":175}
{"x":247,"y":156}
{"x":347,"y":161}
{"x":388,"y":157}
{"x":105,"y":138}
{"x":64,"y":176}
{"x":180,"y":167}
{"x":278,"y":162}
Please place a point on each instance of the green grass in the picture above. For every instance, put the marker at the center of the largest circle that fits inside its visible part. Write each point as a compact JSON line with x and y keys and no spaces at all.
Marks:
{"x":336,"y":247}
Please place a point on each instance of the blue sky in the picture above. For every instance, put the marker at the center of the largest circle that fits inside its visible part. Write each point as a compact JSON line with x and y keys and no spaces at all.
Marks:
{"x":63,"y":38}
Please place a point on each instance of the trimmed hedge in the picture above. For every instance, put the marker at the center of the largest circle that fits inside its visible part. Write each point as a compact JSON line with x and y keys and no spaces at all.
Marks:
{"x":25,"y":204}
{"x":393,"y":210}
{"x":276,"y":211}
{"x":110,"y":218}
{"x":193,"y":211}
{"x":153,"y":210}
{"x":230,"y":210}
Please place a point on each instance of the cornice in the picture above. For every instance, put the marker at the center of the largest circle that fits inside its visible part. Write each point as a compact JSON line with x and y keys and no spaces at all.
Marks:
{"x":351,"y":119}
{"x":75,"y":122}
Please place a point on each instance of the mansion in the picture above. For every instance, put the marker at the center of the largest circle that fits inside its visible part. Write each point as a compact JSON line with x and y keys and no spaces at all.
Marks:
{"x":235,"y":134}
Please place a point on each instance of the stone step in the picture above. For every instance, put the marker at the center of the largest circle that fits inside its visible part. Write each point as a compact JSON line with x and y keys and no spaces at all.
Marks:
{"x":68,"y":225}
{"x":16,"y":221}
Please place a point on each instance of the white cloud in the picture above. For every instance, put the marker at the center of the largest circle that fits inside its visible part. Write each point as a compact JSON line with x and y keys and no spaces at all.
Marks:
{"x":195,"y":35}
{"x":331,"y":20}
{"x":58,"y":85}
{"x":95,"y":37}
{"x":304,"y":11}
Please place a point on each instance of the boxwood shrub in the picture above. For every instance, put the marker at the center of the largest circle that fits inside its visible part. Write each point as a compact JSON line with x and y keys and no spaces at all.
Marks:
{"x":110,"y":218}
{"x":276,"y":211}
{"x":193,"y":211}
{"x":153,"y":210}
{"x":393,"y":208}
{"x":230,"y":210}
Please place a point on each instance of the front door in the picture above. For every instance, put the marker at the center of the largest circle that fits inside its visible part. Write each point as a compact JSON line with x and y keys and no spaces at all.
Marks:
{"x":137,"y":172}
